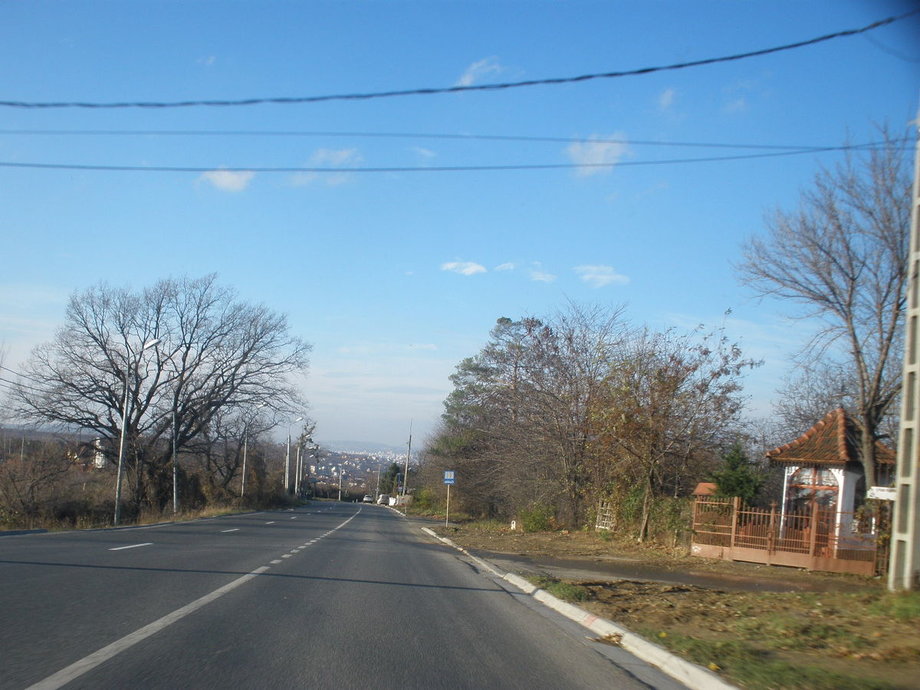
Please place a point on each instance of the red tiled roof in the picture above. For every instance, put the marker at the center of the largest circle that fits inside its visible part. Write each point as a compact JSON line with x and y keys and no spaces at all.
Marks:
{"x":705,"y":489}
{"x":832,"y":441}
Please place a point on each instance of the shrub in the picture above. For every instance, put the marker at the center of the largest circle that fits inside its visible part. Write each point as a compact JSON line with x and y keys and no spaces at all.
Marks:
{"x":538,"y":518}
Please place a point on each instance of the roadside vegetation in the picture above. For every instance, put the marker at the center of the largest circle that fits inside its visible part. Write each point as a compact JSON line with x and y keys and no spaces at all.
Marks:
{"x":179,"y":384}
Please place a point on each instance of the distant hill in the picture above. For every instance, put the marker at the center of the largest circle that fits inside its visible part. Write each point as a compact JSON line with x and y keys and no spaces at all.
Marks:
{"x":360,"y":447}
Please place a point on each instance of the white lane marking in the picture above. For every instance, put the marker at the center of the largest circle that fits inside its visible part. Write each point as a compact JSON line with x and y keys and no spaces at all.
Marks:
{"x":88,"y":663}
{"x":285,"y":555}
{"x":235,"y":529}
{"x":270,"y":522}
{"x":275,"y":562}
{"x":131,"y":546}
{"x":294,"y":518}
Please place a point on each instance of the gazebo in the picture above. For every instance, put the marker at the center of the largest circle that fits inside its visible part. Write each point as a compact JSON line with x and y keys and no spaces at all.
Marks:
{"x":822,"y":468}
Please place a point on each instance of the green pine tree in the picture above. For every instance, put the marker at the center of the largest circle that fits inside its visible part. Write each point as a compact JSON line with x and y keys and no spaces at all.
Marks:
{"x":738,"y":476}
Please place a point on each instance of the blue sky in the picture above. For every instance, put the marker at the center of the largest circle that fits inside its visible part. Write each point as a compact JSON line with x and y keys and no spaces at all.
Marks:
{"x":396,"y":276}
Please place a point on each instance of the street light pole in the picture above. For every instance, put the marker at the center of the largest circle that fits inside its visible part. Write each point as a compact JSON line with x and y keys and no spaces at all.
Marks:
{"x":121,"y":454}
{"x":175,"y":467}
{"x":245,"y":452}
{"x":287,"y":458}
{"x":121,"y":443}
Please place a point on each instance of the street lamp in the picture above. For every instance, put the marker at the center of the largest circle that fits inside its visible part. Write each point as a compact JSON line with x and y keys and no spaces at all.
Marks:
{"x":175,"y":466}
{"x":287,"y":458}
{"x":245,"y":449}
{"x":121,"y":443}
{"x":301,"y":459}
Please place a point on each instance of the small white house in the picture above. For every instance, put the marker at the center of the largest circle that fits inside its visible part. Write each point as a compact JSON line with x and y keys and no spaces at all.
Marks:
{"x":823,"y":471}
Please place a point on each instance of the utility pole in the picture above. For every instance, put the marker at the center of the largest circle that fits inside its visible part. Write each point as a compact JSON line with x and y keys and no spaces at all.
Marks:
{"x":287,"y":465}
{"x":175,"y":467}
{"x":904,"y":564}
{"x":408,"y":453}
{"x":340,"y":483}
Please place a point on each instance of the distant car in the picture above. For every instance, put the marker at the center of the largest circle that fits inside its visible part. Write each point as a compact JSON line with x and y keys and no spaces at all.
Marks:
{"x":367,"y":499}
{"x":383,"y":499}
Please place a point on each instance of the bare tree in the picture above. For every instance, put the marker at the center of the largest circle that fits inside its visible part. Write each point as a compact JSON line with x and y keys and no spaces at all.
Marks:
{"x":171,"y":356}
{"x":841,"y":256}
{"x":517,"y":423}
{"x":669,"y":403}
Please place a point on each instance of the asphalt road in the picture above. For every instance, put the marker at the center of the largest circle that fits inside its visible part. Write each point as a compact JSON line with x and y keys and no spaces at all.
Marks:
{"x":325,"y":596}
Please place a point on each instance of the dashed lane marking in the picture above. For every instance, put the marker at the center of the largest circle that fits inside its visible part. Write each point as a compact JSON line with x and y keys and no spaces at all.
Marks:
{"x":131,"y":546}
{"x":69,"y":673}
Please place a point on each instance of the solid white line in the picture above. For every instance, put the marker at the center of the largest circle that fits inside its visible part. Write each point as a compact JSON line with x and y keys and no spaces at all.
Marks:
{"x":132,"y":546}
{"x":78,"y":668}
{"x":235,"y":529}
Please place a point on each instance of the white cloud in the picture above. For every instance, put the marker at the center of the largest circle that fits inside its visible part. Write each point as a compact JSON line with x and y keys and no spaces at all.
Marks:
{"x":597,"y":153}
{"x":336,"y":157}
{"x":466,"y":268}
{"x":228,"y":180}
{"x":422,"y":152}
{"x":736,"y":105}
{"x":737,"y":95}
{"x":507,"y":266}
{"x":329,"y":158}
{"x":539,"y":275}
{"x":600,"y":276}
{"x":666,"y":99}
{"x":479,"y":70}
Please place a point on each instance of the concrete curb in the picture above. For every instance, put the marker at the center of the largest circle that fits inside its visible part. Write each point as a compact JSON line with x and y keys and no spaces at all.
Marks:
{"x":692,"y":675}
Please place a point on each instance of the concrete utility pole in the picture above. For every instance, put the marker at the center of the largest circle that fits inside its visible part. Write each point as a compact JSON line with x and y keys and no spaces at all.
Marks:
{"x":408,"y":453}
{"x":124,"y":424}
{"x":904,"y":566}
{"x":175,"y":466}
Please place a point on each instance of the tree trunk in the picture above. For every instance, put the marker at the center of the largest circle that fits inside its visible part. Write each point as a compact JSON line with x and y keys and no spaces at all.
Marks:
{"x":646,"y":509}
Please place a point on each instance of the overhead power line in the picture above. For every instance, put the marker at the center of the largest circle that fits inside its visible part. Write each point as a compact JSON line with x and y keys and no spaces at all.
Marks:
{"x":402,"y":135}
{"x":408,"y":169}
{"x":290,"y":100}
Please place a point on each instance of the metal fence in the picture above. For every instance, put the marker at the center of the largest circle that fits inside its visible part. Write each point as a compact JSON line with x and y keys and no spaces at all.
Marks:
{"x":816,"y":539}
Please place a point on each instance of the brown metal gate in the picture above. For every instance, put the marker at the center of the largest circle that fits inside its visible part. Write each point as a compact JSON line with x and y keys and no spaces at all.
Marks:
{"x":817,"y":539}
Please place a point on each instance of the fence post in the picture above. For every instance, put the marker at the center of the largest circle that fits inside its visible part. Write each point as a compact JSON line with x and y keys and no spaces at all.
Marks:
{"x":736,"y":505}
{"x":771,"y":534}
{"x":813,"y":537}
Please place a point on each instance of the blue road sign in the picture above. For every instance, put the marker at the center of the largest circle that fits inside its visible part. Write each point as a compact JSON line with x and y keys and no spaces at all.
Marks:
{"x":448,"y":476}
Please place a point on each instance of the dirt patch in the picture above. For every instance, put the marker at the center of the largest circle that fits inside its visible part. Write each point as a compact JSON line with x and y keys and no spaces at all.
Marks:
{"x":759,"y":626}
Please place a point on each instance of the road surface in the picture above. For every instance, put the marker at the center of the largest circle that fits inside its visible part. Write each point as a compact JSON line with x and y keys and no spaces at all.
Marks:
{"x":331,"y":595}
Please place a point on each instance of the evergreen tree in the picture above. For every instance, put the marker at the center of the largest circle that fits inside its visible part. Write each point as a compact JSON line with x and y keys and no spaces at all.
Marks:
{"x":738,"y":476}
